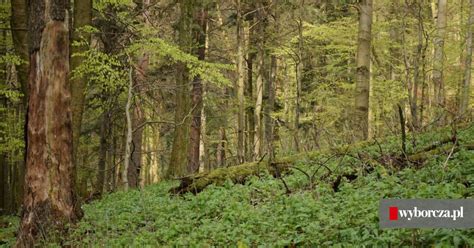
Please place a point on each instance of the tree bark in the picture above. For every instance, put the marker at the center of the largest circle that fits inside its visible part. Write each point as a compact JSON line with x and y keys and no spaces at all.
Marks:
{"x":4,"y":185}
{"x":259,"y":124}
{"x":82,"y":17}
{"x":258,"y":106}
{"x":203,"y":150}
{"x":438,"y":63}
{"x":269,"y":106}
{"x":240,"y":86}
{"x":135,"y":165}
{"x":178,"y":160}
{"x":221,"y":147}
{"x":138,"y":118}
{"x":49,"y":199}
{"x":250,"y":110}
{"x":299,"y":79}
{"x":200,"y":36}
{"x":129,"y":134}
{"x":417,"y":70}
{"x":363,"y":71}
{"x":19,"y":26}
{"x":104,"y":133}
{"x":466,"y":83}
{"x":181,"y":144}
{"x":112,"y":170}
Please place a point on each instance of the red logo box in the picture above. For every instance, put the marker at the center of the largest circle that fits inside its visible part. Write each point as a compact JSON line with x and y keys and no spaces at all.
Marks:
{"x":393,"y":213}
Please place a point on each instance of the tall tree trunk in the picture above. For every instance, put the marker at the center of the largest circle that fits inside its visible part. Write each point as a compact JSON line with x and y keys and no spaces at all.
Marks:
{"x":249,"y":109}
{"x":299,"y":79}
{"x":19,"y":26}
{"x":466,"y":82}
{"x":269,"y":106}
{"x":101,"y":168}
{"x":259,"y":125}
{"x":200,"y":36}
{"x":438,"y":63}
{"x":135,"y":165}
{"x":4,"y":166}
{"x":221,"y":147}
{"x":5,"y":190}
{"x":49,"y":199}
{"x":240,"y":86}
{"x":112,"y":172}
{"x":203,"y":150}
{"x":363,"y":71}
{"x":417,"y":71}
{"x":424,"y":101}
{"x":139,"y":80}
{"x":179,"y":159}
{"x":82,"y":17}
{"x":258,"y":105}
{"x":110,"y":160}
{"x":129,"y":134}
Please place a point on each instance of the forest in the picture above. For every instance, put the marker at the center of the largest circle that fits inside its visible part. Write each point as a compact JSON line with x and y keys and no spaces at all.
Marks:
{"x":232,"y":123}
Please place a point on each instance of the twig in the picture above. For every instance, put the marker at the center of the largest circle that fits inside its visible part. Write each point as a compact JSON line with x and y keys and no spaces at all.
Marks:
{"x":449,"y":155}
{"x":288,"y":191}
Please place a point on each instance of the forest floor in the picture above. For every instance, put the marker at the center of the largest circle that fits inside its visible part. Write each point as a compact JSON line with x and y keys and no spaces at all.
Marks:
{"x":327,"y":198}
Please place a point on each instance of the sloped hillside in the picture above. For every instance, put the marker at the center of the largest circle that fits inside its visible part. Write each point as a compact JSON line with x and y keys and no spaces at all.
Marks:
{"x":328,"y":199}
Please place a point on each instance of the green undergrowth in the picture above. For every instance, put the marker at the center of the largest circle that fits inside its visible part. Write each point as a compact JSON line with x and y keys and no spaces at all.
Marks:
{"x":262,"y":213}
{"x":8,"y":228}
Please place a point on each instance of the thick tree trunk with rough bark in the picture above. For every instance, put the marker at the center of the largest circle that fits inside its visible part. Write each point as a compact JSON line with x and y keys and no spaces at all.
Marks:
{"x":49,"y":198}
{"x":438,"y":63}
{"x":183,"y":112}
{"x":466,"y":83}
{"x":178,"y":160}
{"x":361,"y":118}
{"x":82,"y":17}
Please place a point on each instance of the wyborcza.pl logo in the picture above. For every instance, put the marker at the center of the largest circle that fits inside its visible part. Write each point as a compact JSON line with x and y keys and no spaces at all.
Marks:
{"x":424,"y":213}
{"x":404,"y":213}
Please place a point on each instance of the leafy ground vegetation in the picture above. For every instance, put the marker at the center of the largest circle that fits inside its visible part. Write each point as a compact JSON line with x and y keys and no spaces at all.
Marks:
{"x":328,"y":198}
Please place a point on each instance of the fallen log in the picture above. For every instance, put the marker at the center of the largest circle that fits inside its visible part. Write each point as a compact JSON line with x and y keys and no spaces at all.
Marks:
{"x":443,"y":142}
{"x":420,"y":157}
{"x":237,"y":174}
{"x":240,"y":173}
